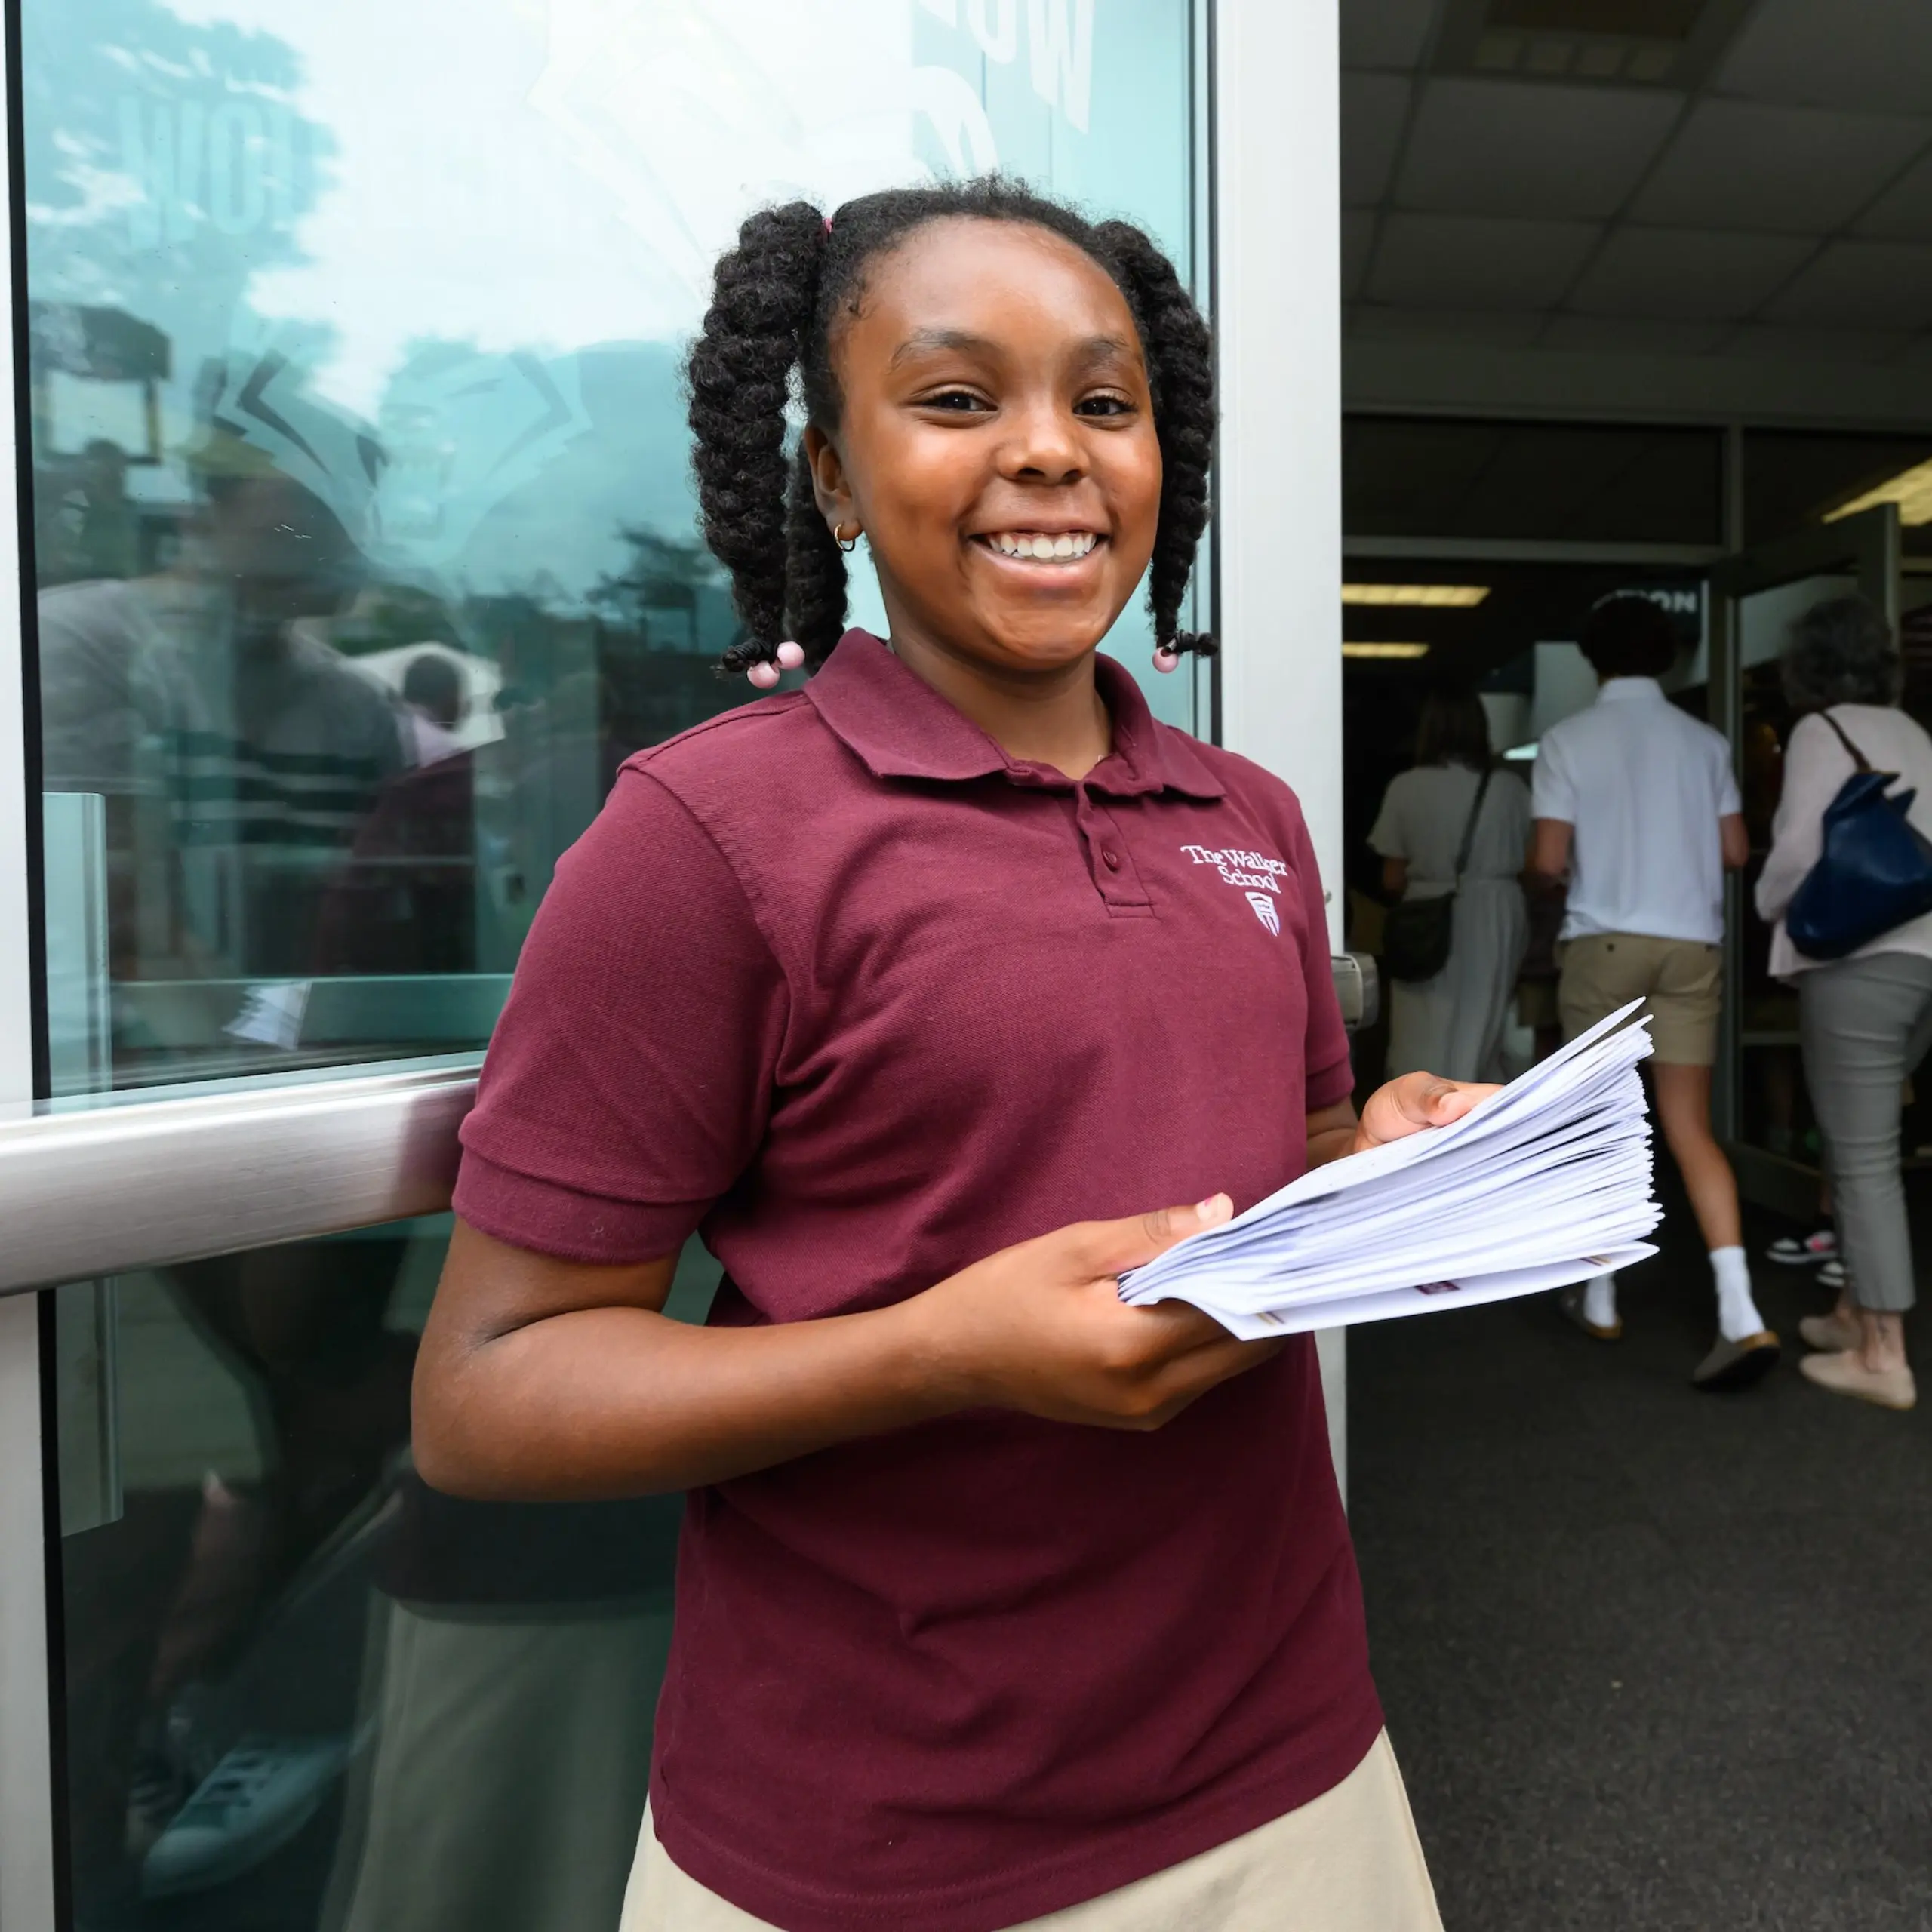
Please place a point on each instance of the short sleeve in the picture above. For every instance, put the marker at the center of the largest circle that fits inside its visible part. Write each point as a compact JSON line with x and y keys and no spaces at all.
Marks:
{"x":1387,"y":835}
{"x":1730,"y":801}
{"x":628,"y":1083}
{"x":1329,"y":1076}
{"x":1552,"y":788}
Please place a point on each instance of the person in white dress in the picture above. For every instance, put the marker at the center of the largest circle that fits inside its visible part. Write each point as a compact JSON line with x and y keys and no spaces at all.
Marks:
{"x":1453,"y":1024}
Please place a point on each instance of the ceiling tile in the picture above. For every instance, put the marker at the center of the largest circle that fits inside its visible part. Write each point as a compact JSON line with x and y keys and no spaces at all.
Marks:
{"x":1791,"y":170}
{"x":1686,"y":274}
{"x":1779,"y":342}
{"x":1904,"y":212}
{"x":1373,"y":106}
{"x":1873,"y":55}
{"x":1463,"y":262}
{"x":1358,"y":237}
{"x":1498,"y":329}
{"x":1630,"y":335}
{"x":1385,"y":33}
{"x":1509,"y":147}
{"x":1862,"y":285}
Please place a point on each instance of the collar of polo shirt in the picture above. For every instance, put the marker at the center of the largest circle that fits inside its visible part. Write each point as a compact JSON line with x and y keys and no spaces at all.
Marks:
{"x":894,"y":721}
{"x":1615,"y":690}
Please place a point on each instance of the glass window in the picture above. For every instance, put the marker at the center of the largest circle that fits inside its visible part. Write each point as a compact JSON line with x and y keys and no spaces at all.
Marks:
{"x":1794,"y":478}
{"x":1575,"y":482}
{"x":363,"y":533}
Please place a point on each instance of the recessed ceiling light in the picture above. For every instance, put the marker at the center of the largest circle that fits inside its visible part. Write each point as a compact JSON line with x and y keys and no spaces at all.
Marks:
{"x":1442,"y":596}
{"x":1911,"y":490}
{"x":1384,"y":650}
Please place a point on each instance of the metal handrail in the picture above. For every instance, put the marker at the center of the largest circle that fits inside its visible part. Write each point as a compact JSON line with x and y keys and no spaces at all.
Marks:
{"x":111,"y":1188}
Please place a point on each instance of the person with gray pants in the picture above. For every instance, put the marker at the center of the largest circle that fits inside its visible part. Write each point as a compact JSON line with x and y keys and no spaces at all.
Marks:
{"x":1865,"y":1022}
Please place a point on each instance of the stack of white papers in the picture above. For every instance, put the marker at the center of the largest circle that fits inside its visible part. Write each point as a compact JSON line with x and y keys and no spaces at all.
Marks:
{"x":1547,"y":1182}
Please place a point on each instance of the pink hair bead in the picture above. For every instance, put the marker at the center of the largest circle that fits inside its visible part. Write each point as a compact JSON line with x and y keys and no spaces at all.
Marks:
{"x":765,"y":676}
{"x":790,"y":655}
{"x":1165,"y":660}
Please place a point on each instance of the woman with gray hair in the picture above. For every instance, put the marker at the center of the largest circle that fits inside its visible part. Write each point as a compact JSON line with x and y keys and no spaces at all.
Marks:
{"x":1865,"y":1021}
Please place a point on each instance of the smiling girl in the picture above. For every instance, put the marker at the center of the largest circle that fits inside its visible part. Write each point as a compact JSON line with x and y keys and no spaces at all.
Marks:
{"x":914,"y":992}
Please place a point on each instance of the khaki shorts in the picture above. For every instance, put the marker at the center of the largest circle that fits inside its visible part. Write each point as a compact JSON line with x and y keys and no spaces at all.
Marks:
{"x":1680,"y":980}
{"x":1348,"y":1861}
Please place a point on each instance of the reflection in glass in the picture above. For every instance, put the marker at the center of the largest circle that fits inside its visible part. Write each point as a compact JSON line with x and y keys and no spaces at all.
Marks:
{"x":364,"y":543}
{"x":302,"y":1690}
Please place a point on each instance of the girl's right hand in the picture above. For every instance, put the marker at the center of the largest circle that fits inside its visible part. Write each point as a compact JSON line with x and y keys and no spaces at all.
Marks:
{"x":1041,"y":1328}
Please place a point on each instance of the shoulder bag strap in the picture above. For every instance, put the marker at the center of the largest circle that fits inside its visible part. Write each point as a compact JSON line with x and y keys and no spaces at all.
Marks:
{"x":1470,"y":827}
{"x":1858,"y":758}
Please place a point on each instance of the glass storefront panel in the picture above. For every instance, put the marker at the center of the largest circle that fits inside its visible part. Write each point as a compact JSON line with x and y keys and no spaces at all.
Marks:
{"x":364,"y":538}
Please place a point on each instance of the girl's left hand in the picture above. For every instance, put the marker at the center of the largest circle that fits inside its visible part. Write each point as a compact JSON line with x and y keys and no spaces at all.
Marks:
{"x":1415,"y":1101}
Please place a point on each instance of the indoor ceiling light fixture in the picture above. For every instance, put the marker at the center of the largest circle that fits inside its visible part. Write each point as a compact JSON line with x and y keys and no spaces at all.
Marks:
{"x":1911,"y":490}
{"x":1442,"y":596}
{"x":1353,"y":650}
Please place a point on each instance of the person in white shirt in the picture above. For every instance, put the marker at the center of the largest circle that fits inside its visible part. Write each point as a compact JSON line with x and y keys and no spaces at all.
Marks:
{"x":1639,"y":802}
{"x":1453,"y":1024}
{"x":1865,"y":1021}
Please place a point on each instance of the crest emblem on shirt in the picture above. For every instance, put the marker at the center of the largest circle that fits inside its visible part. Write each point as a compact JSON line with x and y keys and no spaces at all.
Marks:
{"x":1264,"y":911}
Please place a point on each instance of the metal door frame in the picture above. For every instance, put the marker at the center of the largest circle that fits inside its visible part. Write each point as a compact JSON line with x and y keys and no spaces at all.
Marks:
{"x":1274,"y":119}
{"x":1866,"y":547}
{"x":28,"y":1887}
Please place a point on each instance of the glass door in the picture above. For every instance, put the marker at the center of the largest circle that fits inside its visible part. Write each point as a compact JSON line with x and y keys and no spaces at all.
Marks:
{"x":363,"y":550}
{"x":1760,"y":1105}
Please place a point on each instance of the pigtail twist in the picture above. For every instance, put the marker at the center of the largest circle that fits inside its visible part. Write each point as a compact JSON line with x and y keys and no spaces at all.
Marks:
{"x":1181,"y":372}
{"x":763,"y":302}
{"x":815,"y":589}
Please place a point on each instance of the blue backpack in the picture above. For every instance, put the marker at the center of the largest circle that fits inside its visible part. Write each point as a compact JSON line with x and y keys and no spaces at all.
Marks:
{"x":1875,"y":873}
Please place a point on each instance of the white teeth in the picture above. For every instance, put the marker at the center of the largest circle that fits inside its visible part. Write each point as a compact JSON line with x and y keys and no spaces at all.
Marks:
{"x":1027,"y":543}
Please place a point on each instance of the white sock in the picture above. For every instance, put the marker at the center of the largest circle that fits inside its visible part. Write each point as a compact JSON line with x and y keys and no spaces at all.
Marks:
{"x":1737,"y":1313}
{"x":1600,"y":1301}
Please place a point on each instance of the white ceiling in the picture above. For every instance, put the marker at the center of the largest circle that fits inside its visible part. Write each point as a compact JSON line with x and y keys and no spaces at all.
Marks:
{"x":1780,"y":208}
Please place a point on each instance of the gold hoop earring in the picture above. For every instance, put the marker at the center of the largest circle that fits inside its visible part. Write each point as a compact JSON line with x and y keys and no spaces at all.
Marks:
{"x":847,"y":544}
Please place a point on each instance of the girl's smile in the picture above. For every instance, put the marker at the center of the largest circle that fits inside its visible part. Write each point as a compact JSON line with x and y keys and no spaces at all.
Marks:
{"x":1042,"y":546}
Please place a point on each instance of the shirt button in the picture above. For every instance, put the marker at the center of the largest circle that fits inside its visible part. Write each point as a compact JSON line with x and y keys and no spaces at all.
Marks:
{"x":1111,"y":860}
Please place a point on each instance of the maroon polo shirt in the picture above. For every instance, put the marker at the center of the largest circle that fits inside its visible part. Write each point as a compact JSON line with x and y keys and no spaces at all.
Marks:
{"x":834,"y":983}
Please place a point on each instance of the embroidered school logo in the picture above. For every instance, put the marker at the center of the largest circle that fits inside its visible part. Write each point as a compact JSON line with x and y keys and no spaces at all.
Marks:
{"x":1255,"y":871}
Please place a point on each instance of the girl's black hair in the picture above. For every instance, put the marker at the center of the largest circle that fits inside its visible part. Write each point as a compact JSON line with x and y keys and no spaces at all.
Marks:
{"x":774,"y":303}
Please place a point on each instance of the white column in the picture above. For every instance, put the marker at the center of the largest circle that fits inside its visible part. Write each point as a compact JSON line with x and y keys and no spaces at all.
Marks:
{"x":1278,"y":326}
{"x":26,"y":1812}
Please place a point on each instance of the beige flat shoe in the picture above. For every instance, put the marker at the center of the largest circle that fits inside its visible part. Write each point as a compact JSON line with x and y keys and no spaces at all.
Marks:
{"x":1844,"y":1374}
{"x":1829,"y":1334}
